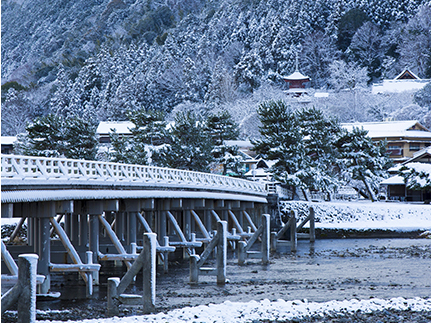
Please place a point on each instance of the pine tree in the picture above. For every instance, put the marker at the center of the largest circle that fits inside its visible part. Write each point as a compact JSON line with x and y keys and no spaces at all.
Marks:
{"x":281,"y":141}
{"x":362,"y":159}
{"x":80,"y":139}
{"x":221,"y":127}
{"x":56,"y":136}
{"x":44,"y":137}
{"x":189,"y":146}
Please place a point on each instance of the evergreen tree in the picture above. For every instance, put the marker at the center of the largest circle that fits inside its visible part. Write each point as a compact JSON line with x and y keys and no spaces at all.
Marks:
{"x":44,"y":137}
{"x":81,"y":140}
{"x":361,"y":159}
{"x":190,"y":147}
{"x":56,"y":136}
{"x":281,"y":141}
{"x":319,"y":134}
{"x":221,"y":127}
{"x":149,"y":130}
{"x":417,"y":176}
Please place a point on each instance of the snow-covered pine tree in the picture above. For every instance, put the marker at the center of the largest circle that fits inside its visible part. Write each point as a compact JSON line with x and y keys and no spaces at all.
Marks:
{"x":149,"y":130}
{"x":319,"y":134}
{"x":190,"y":147}
{"x":361,"y":159}
{"x":56,"y":136}
{"x":281,"y":141}
{"x":44,"y":137}
{"x":81,"y":140}
{"x":221,"y":127}
{"x":417,"y":176}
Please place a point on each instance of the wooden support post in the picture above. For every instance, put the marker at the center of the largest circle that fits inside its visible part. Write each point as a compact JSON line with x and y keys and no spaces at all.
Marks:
{"x":24,"y":292}
{"x":8,"y":260}
{"x":194,"y":269}
{"x":273,"y":241}
{"x":250,"y":221}
{"x":83,"y":230}
{"x":221,"y":252}
{"x":131,"y":230}
{"x":241,"y":252}
{"x":27,"y":264}
{"x":187,"y":224}
{"x":293,"y":237}
{"x":166,"y":256}
{"x":114,"y":239}
{"x":149,"y":272}
{"x":45,"y":255}
{"x":312,"y":225}
{"x":89,"y":289}
{"x":94,"y":241}
{"x":112,"y":296}
{"x":265,"y":238}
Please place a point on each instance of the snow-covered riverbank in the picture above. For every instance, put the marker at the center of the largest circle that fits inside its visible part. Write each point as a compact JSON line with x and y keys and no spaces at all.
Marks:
{"x":278,"y":311}
{"x":364,"y":215}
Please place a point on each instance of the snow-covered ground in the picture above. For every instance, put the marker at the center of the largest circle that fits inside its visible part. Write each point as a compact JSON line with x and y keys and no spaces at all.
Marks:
{"x":364,"y":215}
{"x":271,"y":311}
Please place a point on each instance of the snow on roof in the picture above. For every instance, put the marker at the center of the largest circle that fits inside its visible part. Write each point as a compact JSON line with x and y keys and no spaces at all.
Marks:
{"x":408,"y":72}
{"x":394,"y":180}
{"x":389,"y":129}
{"x":239,"y":143}
{"x":296,"y":76}
{"x":123,"y":127}
{"x":397,"y":86}
{"x":8,"y":140}
{"x":321,"y":94}
{"x":422,"y":152}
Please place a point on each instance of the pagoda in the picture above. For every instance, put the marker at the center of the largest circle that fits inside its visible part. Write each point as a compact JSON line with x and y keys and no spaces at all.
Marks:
{"x":296,"y":81}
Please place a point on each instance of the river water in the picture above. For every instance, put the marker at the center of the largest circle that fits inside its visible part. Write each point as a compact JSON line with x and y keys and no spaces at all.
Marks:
{"x":325,"y":270}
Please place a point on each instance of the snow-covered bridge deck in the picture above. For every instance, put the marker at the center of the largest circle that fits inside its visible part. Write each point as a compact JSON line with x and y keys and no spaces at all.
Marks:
{"x":32,"y":179}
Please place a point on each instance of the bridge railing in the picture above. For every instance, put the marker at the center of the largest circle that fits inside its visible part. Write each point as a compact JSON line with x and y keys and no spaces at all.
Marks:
{"x":28,"y":167}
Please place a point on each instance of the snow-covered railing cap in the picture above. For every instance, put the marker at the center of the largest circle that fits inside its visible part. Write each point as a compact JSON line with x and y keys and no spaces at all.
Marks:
{"x":65,"y":171}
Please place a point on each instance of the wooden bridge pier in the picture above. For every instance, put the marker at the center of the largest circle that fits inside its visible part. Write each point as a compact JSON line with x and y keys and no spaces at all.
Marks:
{"x":109,"y":229}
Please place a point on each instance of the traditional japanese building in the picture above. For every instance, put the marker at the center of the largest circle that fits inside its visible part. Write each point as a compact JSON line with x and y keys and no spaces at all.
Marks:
{"x":297,"y":82}
{"x":403,"y":138}
{"x":405,"y":81}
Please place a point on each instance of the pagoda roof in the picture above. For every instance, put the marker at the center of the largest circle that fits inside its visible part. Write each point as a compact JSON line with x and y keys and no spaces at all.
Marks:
{"x":296,"y":76}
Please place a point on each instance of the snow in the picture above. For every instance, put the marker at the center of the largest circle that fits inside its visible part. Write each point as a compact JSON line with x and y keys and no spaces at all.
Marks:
{"x":389,"y":129}
{"x":365,"y":215}
{"x":266,"y":310}
{"x":397,"y":86}
{"x":8,"y":140}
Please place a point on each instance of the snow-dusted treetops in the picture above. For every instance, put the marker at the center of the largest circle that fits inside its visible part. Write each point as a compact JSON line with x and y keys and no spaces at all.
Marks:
{"x":100,"y":59}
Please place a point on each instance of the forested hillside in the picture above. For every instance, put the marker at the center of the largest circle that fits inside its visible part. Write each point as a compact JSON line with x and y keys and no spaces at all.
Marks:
{"x":99,"y":59}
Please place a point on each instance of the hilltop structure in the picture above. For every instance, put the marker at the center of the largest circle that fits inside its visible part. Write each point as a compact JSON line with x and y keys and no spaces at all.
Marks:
{"x":405,"y":81}
{"x":297,"y":82}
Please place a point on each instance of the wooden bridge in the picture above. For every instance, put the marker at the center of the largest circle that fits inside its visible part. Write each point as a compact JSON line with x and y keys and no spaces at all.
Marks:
{"x":80,"y":214}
